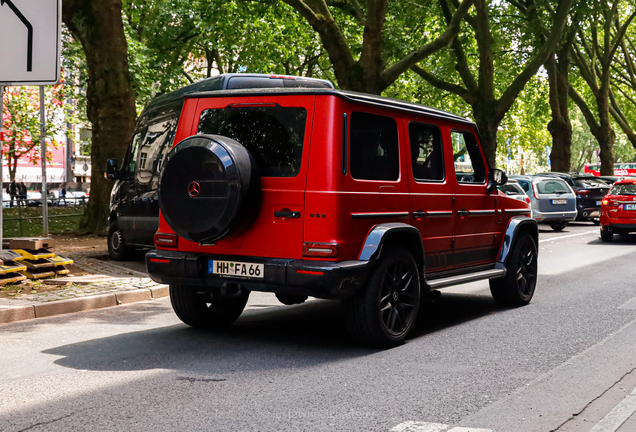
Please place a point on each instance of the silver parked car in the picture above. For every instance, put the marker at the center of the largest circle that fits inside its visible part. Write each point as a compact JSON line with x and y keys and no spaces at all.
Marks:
{"x":552,"y":200}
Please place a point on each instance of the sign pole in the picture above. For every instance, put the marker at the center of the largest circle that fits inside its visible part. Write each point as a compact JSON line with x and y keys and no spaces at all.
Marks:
{"x":45,"y":201}
{"x":1,"y":161}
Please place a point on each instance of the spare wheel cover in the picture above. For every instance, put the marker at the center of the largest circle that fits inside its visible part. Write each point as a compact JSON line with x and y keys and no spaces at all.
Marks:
{"x":209,"y":187}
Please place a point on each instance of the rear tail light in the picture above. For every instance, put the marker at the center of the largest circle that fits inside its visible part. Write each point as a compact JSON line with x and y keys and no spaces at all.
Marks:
{"x":582,"y":192}
{"x":166,"y":240}
{"x":534,"y":191}
{"x":528,"y":200}
{"x":323,"y":250}
{"x":610,"y":203}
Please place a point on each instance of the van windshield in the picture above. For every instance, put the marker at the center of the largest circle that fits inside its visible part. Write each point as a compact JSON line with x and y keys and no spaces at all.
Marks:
{"x":274,"y":135}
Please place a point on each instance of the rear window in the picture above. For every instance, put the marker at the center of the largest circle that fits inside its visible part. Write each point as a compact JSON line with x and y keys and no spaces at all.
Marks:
{"x":551,"y":186}
{"x":510,"y":189}
{"x":624,"y":189}
{"x":589,"y":183}
{"x":273,"y":135}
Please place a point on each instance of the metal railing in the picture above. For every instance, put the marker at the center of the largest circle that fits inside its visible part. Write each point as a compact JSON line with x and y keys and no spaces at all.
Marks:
{"x":23,"y":206}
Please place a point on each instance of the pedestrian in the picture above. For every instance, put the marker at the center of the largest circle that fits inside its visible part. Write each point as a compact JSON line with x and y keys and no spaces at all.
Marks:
{"x":62,"y":194}
{"x":13,"y":191}
{"x":22,"y":194}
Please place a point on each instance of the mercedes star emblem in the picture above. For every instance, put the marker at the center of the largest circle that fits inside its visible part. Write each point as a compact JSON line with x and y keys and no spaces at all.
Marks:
{"x":194,"y":189}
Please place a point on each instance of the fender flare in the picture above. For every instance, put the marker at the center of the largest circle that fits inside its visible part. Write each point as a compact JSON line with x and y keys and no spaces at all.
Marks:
{"x":381,"y":233}
{"x":516,"y":226}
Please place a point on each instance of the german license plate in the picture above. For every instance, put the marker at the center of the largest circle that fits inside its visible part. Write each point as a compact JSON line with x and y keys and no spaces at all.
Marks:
{"x":599,"y":202}
{"x":236,"y":268}
{"x":559,"y":201}
{"x":630,"y":206}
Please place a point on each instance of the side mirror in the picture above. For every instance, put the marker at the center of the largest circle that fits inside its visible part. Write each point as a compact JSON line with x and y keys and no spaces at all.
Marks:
{"x":112,"y":172}
{"x":496,"y":177}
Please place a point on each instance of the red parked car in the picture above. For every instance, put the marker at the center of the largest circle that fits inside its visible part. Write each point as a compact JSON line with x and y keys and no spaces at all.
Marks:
{"x":336,"y":195}
{"x":618,"y":210}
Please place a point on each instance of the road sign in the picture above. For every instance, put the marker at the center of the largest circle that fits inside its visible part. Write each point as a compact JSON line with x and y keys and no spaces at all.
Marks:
{"x":30,"y":35}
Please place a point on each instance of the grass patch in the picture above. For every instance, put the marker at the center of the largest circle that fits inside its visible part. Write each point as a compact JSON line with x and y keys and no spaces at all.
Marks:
{"x":27,"y":221}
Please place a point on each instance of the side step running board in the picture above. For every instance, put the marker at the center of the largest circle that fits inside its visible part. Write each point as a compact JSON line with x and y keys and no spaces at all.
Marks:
{"x":465,"y":278}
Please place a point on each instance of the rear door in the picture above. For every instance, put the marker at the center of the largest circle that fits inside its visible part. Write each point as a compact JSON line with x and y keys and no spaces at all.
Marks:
{"x":477,"y":227}
{"x":554,"y":196}
{"x":431,"y":193}
{"x":277,"y":132}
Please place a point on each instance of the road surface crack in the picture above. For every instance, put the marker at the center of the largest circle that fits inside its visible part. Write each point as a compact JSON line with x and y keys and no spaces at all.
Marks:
{"x":47,"y":422}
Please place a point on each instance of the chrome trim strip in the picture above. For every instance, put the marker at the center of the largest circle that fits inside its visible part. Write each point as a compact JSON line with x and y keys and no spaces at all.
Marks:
{"x":482,"y":212}
{"x":517,"y":210}
{"x":471,"y":277}
{"x":379,"y":215}
{"x":439,"y":213}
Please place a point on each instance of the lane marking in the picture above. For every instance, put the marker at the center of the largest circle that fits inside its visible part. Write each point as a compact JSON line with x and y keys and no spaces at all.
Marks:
{"x":414,"y":426}
{"x":616,"y":417}
{"x":629,"y":304}
{"x":568,"y":236}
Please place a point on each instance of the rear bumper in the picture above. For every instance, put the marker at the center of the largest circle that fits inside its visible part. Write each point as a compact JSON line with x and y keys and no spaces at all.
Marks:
{"x":545,"y":217}
{"x":322,"y":279}
{"x":615,"y":226}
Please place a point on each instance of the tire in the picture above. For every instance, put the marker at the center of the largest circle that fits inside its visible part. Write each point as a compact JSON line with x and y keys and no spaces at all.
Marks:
{"x":290,"y":299}
{"x":209,"y":188}
{"x":117,"y":249}
{"x":607,"y":236}
{"x":383,"y":313}
{"x":558,"y":226}
{"x":517,"y":287}
{"x":207,"y":311}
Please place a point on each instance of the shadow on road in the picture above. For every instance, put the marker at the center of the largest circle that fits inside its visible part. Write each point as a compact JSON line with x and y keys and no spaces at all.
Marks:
{"x":277,"y":338}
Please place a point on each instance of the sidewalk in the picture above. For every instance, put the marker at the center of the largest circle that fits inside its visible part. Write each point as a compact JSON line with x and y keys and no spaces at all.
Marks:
{"x":107,"y":284}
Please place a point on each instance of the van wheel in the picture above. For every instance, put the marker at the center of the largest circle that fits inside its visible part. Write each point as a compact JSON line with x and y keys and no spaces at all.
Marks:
{"x":117,"y":249}
{"x":558,"y":226}
{"x":517,"y":287}
{"x":606,"y":235}
{"x":384,"y":312}
{"x":210,"y":310}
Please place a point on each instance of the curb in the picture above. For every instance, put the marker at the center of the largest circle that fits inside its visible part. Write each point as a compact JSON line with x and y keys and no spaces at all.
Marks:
{"x":81,"y":304}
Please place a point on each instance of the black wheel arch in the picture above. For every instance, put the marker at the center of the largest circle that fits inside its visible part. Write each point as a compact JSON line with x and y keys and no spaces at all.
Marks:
{"x":388,"y":234}
{"x":517,"y":227}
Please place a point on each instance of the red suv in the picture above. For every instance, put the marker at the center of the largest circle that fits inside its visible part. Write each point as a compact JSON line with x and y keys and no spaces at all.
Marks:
{"x":335,"y":195}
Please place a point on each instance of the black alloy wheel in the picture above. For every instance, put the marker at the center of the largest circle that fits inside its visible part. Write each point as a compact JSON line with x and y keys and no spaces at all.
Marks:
{"x":517,"y":287}
{"x":210,"y":310}
{"x":117,"y":249}
{"x":558,"y":226}
{"x":384,"y":312}
{"x":606,"y":235}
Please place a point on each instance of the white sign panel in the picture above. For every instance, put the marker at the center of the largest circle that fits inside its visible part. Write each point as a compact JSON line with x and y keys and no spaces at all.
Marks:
{"x":30,"y":34}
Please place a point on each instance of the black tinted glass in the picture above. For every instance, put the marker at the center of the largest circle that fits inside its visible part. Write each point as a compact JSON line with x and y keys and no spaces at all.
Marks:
{"x":273,"y":135}
{"x":551,"y":186}
{"x":589,"y":183}
{"x":426,"y":152}
{"x":374,"y":147}
{"x":469,"y":165}
{"x":624,"y":189}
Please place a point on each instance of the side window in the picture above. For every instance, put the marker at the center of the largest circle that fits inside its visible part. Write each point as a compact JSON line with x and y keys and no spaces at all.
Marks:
{"x":374,"y":147}
{"x":469,"y":165}
{"x":525,"y":186}
{"x":426,"y":152}
{"x":134,"y":152}
{"x":158,"y":137}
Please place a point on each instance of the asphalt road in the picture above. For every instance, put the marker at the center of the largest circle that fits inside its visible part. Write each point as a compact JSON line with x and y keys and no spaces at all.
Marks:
{"x":292,"y":368}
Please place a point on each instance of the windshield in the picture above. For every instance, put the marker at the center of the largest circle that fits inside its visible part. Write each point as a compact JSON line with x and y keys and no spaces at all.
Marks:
{"x":589,"y":183}
{"x":624,"y":189}
{"x":552,"y":186}
{"x":273,"y":135}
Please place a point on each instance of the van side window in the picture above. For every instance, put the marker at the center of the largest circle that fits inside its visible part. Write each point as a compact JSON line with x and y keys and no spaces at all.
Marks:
{"x":134,"y":152}
{"x":469,"y":164}
{"x":151,"y":151}
{"x":374,"y":147}
{"x":426,"y":152}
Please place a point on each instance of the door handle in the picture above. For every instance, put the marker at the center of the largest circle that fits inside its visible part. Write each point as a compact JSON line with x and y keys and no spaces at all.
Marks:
{"x":419,"y":214}
{"x":462,"y":213}
{"x":287,"y":214}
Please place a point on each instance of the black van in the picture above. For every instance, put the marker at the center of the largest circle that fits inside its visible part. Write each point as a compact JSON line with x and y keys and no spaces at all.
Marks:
{"x":134,"y":206}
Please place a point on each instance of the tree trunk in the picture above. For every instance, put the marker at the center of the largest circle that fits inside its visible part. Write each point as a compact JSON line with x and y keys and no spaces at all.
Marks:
{"x":97,"y":24}
{"x":561,"y":131}
{"x":487,"y":123}
{"x":560,"y":126}
{"x":606,"y":138}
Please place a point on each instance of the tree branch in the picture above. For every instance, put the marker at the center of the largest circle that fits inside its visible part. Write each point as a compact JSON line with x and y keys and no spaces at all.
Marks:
{"x":587,"y":113}
{"x":443,"y":85}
